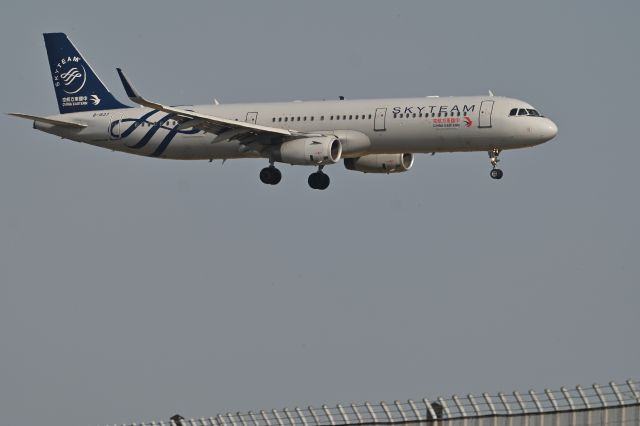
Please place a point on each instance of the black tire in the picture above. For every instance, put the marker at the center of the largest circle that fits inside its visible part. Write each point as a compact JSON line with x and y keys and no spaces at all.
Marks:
{"x":266,"y":176}
{"x":324,"y":181}
{"x":496,"y":174}
{"x":276,"y":176}
{"x":313,"y":181}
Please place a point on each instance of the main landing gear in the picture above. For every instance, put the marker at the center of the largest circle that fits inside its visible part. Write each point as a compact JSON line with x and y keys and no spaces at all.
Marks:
{"x":319,"y":180}
{"x":493,"y":158}
{"x":270,"y":175}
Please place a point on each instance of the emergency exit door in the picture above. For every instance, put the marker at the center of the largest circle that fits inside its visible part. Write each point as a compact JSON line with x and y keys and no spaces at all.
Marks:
{"x":252,"y":117}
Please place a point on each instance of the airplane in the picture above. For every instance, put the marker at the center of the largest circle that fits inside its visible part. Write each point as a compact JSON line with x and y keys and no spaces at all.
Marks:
{"x":368,"y":135}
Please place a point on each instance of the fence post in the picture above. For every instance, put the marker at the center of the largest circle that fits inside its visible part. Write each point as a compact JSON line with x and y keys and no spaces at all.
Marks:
{"x":505,"y":403}
{"x":345,"y":418}
{"x":371,"y":412}
{"x":633,"y":390}
{"x":614,"y":387}
{"x":386,"y":411}
{"x":459,"y":405}
{"x":552,"y":399}
{"x":518,"y":398}
{"x":254,"y":418}
{"x":315,"y":416}
{"x":277,"y":416}
{"x":354,"y":407}
{"x":474,"y":405}
{"x":445,"y":409}
{"x":536,"y":401}
{"x":302,"y":419}
{"x":567,"y":396}
{"x":289,"y":417}
{"x":601,"y":397}
{"x":430,"y":409}
{"x":492,"y":407}
{"x":584,"y":398}
{"x":415,"y":410}
{"x":328,"y":414}
{"x":265,"y":418}
{"x":400,"y":410}
{"x":229,"y":416}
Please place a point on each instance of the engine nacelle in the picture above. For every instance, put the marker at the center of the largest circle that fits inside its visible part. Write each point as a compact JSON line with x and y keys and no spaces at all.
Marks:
{"x":380,"y":163}
{"x":309,"y":151}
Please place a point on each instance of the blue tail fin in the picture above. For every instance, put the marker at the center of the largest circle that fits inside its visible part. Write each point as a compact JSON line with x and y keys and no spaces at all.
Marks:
{"x":77,"y":87}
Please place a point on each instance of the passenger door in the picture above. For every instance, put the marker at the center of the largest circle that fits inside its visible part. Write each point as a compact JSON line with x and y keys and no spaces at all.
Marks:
{"x":379,"y":121}
{"x":486,"y":108}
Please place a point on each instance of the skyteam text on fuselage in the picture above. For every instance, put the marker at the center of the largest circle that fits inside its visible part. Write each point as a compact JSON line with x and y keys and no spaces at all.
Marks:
{"x":370,"y":136}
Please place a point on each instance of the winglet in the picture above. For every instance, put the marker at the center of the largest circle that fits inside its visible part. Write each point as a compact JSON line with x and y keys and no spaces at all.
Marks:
{"x":134,"y":95}
{"x":131,"y":92}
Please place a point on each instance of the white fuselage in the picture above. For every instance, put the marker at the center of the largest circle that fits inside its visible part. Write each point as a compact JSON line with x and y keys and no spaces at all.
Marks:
{"x":373,"y":126}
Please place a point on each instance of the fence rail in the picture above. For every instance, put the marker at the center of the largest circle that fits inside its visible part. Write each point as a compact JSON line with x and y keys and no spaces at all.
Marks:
{"x":575,"y":399}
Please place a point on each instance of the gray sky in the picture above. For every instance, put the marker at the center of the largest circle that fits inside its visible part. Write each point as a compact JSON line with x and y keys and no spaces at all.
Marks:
{"x":134,"y":288}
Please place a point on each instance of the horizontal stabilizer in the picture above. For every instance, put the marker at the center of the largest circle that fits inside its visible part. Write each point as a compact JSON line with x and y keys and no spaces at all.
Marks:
{"x":61,"y":123}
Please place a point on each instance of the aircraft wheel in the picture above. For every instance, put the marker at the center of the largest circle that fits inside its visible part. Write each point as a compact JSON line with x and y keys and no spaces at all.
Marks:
{"x":270,"y":175}
{"x":324,"y":181}
{"x":319,"y":180}
{"x":496,"y":174}
{"x":314,"y":181}
{"x":277,"y":176}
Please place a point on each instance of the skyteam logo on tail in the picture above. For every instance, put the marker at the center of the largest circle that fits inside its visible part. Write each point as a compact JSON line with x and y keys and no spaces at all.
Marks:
{"x":70,"y":74}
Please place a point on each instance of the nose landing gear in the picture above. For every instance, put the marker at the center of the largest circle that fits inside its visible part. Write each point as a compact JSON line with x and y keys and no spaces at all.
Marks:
{"x":319,"y":180}
{"x":493,"y":158}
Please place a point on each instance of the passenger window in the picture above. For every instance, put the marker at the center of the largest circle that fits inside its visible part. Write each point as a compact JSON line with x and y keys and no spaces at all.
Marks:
{"x":356,"y":116}
{"x":439,"y":114}
{"x":513,"y":112}
{"x":279,"y":119}
{"x":273,"y":119}
{"x":351,"y":117}
{"x":344,"y":117}
{"x":414,"y":115}
{"x":337,"y":117}
{"x":304,"y":118}
{"x":312,"y":118}
{"x":286,"y":119}
{"x":395,"y":115}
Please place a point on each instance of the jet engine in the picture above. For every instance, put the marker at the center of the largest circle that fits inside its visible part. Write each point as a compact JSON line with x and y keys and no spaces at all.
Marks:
{"x":380,"y":163}
{"x":309,"y":151}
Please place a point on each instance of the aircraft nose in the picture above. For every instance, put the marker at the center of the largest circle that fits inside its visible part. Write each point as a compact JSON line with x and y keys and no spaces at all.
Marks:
{"x":549,"y":130}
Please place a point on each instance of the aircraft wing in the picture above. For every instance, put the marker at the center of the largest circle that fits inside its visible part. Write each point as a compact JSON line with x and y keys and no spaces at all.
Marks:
{"x":224,"y":128}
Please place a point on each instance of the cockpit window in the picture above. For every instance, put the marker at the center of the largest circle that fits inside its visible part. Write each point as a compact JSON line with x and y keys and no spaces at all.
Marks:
{"x":524,"y":112}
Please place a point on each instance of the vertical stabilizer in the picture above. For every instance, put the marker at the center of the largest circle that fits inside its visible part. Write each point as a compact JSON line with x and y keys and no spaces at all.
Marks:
{"x":77,"y":87}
